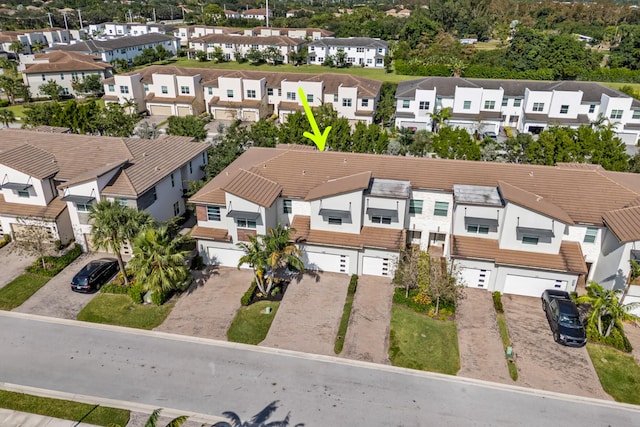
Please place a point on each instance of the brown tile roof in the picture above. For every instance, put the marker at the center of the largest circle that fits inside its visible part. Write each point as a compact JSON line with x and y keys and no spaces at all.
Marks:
{"x":66,"y":61}
{"x":92,"y":174}
{"x":570,"y":259}
{"x":52,"y":129}
{"x":210,"y":233}
{"x":170,"y":100}
{"x":369,"y":237}
{"x":574,"y":165}
{"x":333,"y":187}
{"x":253,"y":188}
{"x":284,"y":105}
{"x":532,"y":201}
{"x":252,"y":103}
{"x":51,"y":211}
{"x":624,"y":223}
{"x":249,"y":40}
{"x":31,"y":160}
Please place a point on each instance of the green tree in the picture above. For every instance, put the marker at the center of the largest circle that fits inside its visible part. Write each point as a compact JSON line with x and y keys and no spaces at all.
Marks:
{"x":187,"y":126}
{"x":51,"y":89}
{"x":439,"y":117}
{"x":6,"y":117}
{"x":255,"y":56}
{"x":10,"y":86}
{"x":341,"y":59}
{"x":387,"y":104}
{"x":162,"y":53}
{"x":255,"y":257}
{"x":607,"y":311}
{"x":273,"y":55}
{"x":148,"y":131}
{"x":201,"y":56}
{"x":218,"y":55}
{"x":213,"y":14}
{"x":16,"y":47}
{"x":90,"y":84}
{"x":455,"y":144}
{"x":113,"y":225}
{"x":228,"y":148}
{"x":263,"y":133}
{"x":120,"y":65}
{"x":114,"y":121}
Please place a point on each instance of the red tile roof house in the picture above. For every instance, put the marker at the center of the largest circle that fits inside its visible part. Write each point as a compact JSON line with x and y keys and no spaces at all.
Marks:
{"x":55,"y":177}
{"x":513,"y":228}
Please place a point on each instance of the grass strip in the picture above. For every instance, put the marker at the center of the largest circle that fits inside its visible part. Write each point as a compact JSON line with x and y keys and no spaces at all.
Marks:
{"x":618,"y":372}
{"x":20,"y":289}
{"x":506,"y":342}
{"x":251,"y":324}
{"x":119,"y":310}
{"x":64,"y":409}
{"x":344,"y":323}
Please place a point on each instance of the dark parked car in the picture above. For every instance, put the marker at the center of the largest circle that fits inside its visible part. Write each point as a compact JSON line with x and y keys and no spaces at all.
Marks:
{"x":564,"y":318}
{"x":491,"y":135}
{"x":94,"y":275}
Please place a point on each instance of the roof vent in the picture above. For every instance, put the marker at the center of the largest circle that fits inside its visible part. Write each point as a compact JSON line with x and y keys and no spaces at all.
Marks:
{"x":345,"y":160}
{"x":304,"y":172}
{"x":264,"y":166}
{"x":157,"y":168}
{"x":531,"y":173}
{"x":144,"y":154}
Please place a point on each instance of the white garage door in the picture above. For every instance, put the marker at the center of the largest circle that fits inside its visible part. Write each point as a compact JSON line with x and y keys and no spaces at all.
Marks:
{"x":226,"y":114}
{"x":376,"y":266}
{"x":226,"y":257}
{"x":327,"y":262}
{"x":250,"y":116}
{"x":160,"y":110}
{"x":475,"y":277}
{"x":184,"y":111}
{"x":531,"y":286}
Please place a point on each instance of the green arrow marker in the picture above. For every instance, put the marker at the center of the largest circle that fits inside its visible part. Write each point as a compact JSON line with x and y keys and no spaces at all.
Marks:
{"x":318,"y":138}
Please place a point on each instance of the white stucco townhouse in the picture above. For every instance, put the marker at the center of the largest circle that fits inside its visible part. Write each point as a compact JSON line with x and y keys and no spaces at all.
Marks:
{"x":360,"y":51}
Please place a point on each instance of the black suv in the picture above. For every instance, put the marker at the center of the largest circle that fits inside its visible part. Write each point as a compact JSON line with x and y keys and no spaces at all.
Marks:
{"x":94,"y":275}
{"x":564,"y":318}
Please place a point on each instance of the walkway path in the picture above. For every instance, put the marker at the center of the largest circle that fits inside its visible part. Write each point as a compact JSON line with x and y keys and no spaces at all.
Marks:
{"x":368,"y":332}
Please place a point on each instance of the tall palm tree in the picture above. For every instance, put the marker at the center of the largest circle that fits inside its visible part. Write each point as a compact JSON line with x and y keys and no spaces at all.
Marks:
{"x":113,"y":225}
{"x":16,"y":47}
{"x":158,"y":262}
{"x":439,"y":117}
{"x":258,"y":420}
{"x":606,"y":308}
{"x":255,"y":256}
{"x":281,"y":252}
{"x":130,"y":105}
{"x":6,"y":117}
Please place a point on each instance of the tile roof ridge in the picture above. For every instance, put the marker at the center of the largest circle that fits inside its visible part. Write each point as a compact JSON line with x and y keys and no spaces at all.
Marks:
{"x":349,"y":176}
{"x":127,"y":180}
{"x":502,"y":182}
{"x":601,"y":173}
{"x":283,"y":152}
{"x":258,"y":176}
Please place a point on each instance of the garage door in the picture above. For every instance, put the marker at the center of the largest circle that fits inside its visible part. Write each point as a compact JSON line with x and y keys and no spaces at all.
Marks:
{"x":226,"y":114}
{"x":376,"y":266}
{"x":160,"y":110}
{"x":184,"y":111}
{"x":226,"y":257}
{"x":31,"y":232}
{"x":326,"y":262}
{"x":531,"y":286}
{"x":475,"y":277}
{"x":250,"y":116}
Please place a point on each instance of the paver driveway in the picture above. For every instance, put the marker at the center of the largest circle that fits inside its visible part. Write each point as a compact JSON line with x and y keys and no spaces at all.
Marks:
{"x":309,"y":314}
{"x":368,"y":332}
{"x":55,"y":298}
{"x":12,"y":264}
{"x":542,"y":363}
{"x":207,"y":309}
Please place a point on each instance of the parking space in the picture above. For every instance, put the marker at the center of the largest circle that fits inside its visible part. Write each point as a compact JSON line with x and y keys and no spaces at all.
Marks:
{"x":309,"y":314}
{"x":368,"y":332}
{"x":55,"y":298}
{"x":12,"y":264}
{"x":542,"y":363}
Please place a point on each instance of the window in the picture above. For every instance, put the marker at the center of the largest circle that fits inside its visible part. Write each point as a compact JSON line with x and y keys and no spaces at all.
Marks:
{"x":213,"y":213}
{"x":229,"y":93}
{"x":616,"y":114}
{"x":529,"y":240}
{"x":124,"y":89}
{"x":61,"y":76}
{"x":406,"y":103}
{"x":517,"y":102}
{"x":286,"y":206}
{"x":636,"y":114}
{"x":74,"y":75}
{"x":65,"y":91}
{"x":190,"y":167}
{"x":184,"y":90}
{"x":246,"y":223}
{"x":164,"y":90}
{"x":335,"y":97}
{"x":346,"y":102}
{"x":415,"y":206}
{"x":489,"y":105}
{"x":83,"y":207}
{"x":466,"y":105}
{"x":538,"y":106}
{"x":270,"y":91}
{"x":291,"y":96}
{"x":228,"y":45}
{"x":121,"y":202}
{"x":441,"y":209}
{"x":381,"y":219}
{"x":592,"y":108}
{"x":146,"y":87}
{"x":251,"y":93}
{"x":309,"y":97}
{"x":154,"y":194}
{"x":334,"y":221}
{"x":479,"y":229}
{"x":173,"y":181}
{"x":360,"y":49}
{"x":210,"y":90}
{"x":176,"y":209}
{"x":564,"y":109}
{"x":44,"y":78}
{"x":424,"y":105}
{"x":505,"y":102}
{"x":204,"y":158}
{"x":365,"y":102}
{"x":590,"y":235}
{"x":23,"y":193}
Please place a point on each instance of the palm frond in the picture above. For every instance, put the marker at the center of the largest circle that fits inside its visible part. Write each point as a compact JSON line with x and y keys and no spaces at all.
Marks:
{"x":153,"y":418}
{"x":178,"y":421}
{"x":264,"y":415}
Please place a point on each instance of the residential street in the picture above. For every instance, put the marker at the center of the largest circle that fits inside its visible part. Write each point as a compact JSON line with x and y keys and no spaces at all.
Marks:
{"x":212,"y":377}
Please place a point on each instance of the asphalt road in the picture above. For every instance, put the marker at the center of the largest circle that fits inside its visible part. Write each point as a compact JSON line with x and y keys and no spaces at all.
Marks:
{"x":211,"y":377}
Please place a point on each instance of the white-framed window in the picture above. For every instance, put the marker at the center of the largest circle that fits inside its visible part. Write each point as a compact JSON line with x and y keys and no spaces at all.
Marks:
{"x":173,"y":181}
{"x":529,"y":240}
{"x":505,"y":102}
{"x":406,"y":103}
{"x":636,"y":115}
{"x":478,"y":229}
{"x":564,"y":109}
{"x":44,"y":78}
{"x":83,"y":207}
{"x":74,"y":74}
{"x":229,"y":93}
{"x":23,"y":193}
{"x":210,"y":90}
{"x":360,"y":49}
{"x":228,"y":45}
{"x":291,"y":96}
{"x":176,"y":209}
{"x":365,"y":102}
{"x":381,"y":219}
{"x":309,"y":97}
{"x":591,"y":235}
{"x":592,"y":108}
{"x":65,"y":91}
{"x":270,"y":91}
{"x":334,"y":220}
{"x":335,"y":97}
{"x":124,"y":89}
{"x":146,"y":87}
{"x":616,"y":114}
{"x":489,"y":105}
{"x":538,"y":106}
{"x":415,"y":206}
{"x":441,"y":209}
{"x":213,"y":213}
{"x":184,"y":90}
{"x":424,"y":105}
{"x":287,"y":206}
{"x":245,"y":223}
{"x":251,"y":93}
{"x":346,"y":102}
{"x":61,"y":76}
{"x":164,"y":90}
{"x":517,"y":102}
{"x":466,"y":105}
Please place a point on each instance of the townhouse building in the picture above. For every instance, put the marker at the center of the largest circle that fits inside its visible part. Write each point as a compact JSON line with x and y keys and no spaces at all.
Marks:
{"x":512,"y":228}
{"x":63,"y":68}
{"x":118,"y":29}
{"x":360,"y":51}
{"x":260,"y":14}
{"x":482,"y":105}
{"x":244,"y":95}
{"x":238,"y":46}
{"x":50,"y":179}
{"x":186,"y":34}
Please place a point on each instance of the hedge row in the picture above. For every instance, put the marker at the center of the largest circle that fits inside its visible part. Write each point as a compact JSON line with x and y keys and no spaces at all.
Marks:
{"x":57,"y":264}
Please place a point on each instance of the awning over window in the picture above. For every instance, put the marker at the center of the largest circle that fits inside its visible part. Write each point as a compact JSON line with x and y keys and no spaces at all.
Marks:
{"x":490,"y":222}
{"x":83,"y":200}
{"x":382,"y":212}
{"x":243,"y":214}
{"x":16,"y":186}
{"x":534,"y":232}
{"x":334,"y":213}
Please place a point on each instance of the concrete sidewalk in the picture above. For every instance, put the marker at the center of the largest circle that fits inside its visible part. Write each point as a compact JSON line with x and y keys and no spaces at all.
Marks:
{"x":10,"y":418}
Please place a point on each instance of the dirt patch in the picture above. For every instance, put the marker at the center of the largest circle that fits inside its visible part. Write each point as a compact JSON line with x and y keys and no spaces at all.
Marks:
{"x":12,"y":264}
{"x":543,"y":363}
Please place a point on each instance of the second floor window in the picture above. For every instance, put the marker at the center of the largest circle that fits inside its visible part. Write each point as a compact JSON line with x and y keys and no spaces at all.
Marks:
{"x":246,"y":223}
{"x":184,"y":90}
{"x":213,"y":213}
{"x":592,"y":108}
{"x":112,"y":88}
{"x":365,"y":102}
{"x":346,"y":102}
{"x":210,"y":90}
{"x":287,"y":206}
{"x":164,"y":90}
{"x":334,"y":220}
{"x":616,"y":114}
{"x":529,"y":240}
{"x":251,"y":93}
{"x":406,"y":103}
{"x":424,"y":105}
{"x":466,"y":105}
{"x":229,"y":93}
{"x":441,"y":209}
{"x":173,"y":181}
{"x":291,"y":96}
{"x":479,"y":229}
{"x":83,"y":207}
{"x":489,"y":105}
{"x":124,"y":89}
{"x":415,"y":206}
{"x":517,"y":102}
{"x":538,"y":106}
{"x":636,"y":114}
{"x":23,"y":193}
{"x":590,"y":235}
{"x":270,"y":91}
{"x":564,"y":109}
{"x":310,"y":97}
{"x":505,"y":102}
{"x":381,"y":219}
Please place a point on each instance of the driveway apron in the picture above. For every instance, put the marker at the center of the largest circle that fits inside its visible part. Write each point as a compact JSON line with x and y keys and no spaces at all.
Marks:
{"x":207,"y":309}
{"x":309,"y":314}
{"x":12,"y":264}
{"x":479,"y":343}
{"x":543,"y":363}
{"x":367,"y":336}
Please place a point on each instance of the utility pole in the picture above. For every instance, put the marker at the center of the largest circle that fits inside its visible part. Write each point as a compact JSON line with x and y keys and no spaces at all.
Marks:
{"x":66,"y":25}
{"x":154,"y":14}
{"x":267,"y":13}
{"x":80,"y":18}
{"x":50,"y":21}
{"x":130,"y":17}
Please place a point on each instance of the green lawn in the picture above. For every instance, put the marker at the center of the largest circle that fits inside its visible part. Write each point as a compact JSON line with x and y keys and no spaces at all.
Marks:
{"x":618,"y":372}
{"x":251,"y":324}
{"x":119,"y":310}
{"x":64,"y":409}
{"x":615,"y":85}
{"x":18,"y":110}
{"x":20,"y":289}
{"x":417,"y":341}
{"x":490,"y":45}
{"x":344,"y":323}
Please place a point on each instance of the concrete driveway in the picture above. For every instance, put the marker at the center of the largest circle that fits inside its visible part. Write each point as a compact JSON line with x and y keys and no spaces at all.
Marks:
{"x":309,"y":314}
{"x":55,"y":298}
{"x":542,"y":363}
{"x":12,"y":264}
{"x":368,"y":332}
{"x":207,"y":309}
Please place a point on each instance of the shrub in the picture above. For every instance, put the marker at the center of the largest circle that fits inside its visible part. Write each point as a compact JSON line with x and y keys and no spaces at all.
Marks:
{"x":136,"y":293}
{"x":497,"y":302}
{"x":400,"y":298}
{"x":616,"y":338}
{"x":113,"y":288}
{"x":422,"y":299}
{"x":246,"y":298}
{"x":508,"y":132}
{"x":197,"y":263}
{"x":353,"y":284}
{"x":56,"y":264}
{"x":5,"y":240}
{"x":159,"y":298}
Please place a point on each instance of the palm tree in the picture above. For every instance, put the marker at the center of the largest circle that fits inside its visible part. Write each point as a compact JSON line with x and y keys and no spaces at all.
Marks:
{"x":153,"y":420}
{"x":114,"y":225}
{"x":16,"y":47}
{"x":130,"y":105}
{"x":255,"y":256}
{"x":281,"y":252}
{"x":606,"y":308}
{"x":258,"y":420}
{"x":37,"y":46}
{"x":7,"y":116}
{"x":158,"y":262}
{"x":439,"y":117}
{"x":147,"y":131}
